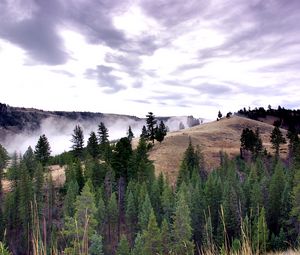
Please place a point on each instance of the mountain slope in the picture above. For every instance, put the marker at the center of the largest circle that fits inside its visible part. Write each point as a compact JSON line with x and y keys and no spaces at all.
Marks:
{"x":213,"y":137}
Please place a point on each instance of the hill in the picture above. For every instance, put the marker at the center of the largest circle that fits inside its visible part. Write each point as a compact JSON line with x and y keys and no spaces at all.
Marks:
{"x":213,"y":137}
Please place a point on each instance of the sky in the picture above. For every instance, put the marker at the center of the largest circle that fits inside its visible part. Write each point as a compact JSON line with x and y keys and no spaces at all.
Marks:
{"x":171,"y":57}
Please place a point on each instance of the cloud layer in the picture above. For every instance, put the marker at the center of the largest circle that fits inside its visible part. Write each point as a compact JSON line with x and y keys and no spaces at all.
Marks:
{"x":178,"y":57}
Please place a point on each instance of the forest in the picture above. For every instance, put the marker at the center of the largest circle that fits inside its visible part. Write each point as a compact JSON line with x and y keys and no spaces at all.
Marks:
{"x":112,"y":202}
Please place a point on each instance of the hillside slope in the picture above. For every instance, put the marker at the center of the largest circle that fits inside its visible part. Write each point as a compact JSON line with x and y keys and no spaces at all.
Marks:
{"x":213,"y":137}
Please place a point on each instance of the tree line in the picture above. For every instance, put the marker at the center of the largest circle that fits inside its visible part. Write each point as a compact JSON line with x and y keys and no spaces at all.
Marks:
{"x":113,"y":203}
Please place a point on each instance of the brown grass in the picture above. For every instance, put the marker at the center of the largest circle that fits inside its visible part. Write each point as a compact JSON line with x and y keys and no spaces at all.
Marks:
{"x":213,"y":137}
{"x":58,"y":177}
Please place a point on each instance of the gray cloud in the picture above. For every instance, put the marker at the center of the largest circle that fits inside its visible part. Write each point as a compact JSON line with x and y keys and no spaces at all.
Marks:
{"x":35,"y":31}
{"x":213,"y":89}
{"x":103,"y":74}
{"x":173,"y":12}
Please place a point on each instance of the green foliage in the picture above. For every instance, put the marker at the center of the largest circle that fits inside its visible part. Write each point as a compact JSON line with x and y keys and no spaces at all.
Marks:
{"x":42,"y":150}
{"x":144,"y":213}
{"x":123,"y":247}
{"x":4,"y":250}
{"x":69,"y":204}
{"x":152,"y":237}
{"x":96,"y":247}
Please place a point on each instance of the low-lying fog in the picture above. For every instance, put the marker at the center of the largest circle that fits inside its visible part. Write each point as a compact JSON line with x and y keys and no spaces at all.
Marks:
{"x":59,"y":131}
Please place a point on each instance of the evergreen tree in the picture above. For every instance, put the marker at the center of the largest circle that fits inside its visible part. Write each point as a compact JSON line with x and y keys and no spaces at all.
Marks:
{"x":161,"y":132}
{"x":182,"y":229}
{"x":113,"y":216}
{"x":38,"y":183}
{"x":151,"y":122}
{"x":103,"y":133}
{"x":144,"y":134}
{"x":131,"y":214}
{"x":152,"y":237}
{"x":92,"y":145}
{"x":277,"y":185}
{"x":261,"y":233}
{"x":78,"y":141}
{"x":166,"y":241}
{"x":123,"y":247}
{"x":144,"y":213}
{"x":69,"y":203}
{"x":121,"y":157}
{"x":277,"y":139}
{"x":138,"y":248}
{"x":101,"y":211}
{"x":96,"y":247}
{"x":130,"y":134}
{"x":29,"y":161}
{"x":80,"y":228}
{"x":42,"y":150}
{"x":105,"y":149}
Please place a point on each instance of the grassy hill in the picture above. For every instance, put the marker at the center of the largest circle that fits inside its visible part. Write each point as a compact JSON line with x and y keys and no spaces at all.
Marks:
{"x":213,"y":137}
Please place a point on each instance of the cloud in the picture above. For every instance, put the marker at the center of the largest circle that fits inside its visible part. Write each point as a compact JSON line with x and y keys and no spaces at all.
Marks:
{"x":105,"y":78}
{"x":32,"y":28}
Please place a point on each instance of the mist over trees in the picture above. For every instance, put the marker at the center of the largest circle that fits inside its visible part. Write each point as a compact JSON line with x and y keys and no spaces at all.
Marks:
{"x":113,"y":203}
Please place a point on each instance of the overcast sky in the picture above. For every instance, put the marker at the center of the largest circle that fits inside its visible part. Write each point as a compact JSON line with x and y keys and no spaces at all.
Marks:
{"x":172,"y":57}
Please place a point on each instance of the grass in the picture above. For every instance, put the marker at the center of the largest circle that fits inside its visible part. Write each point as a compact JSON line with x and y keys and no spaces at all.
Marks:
{"x":213,"y":137}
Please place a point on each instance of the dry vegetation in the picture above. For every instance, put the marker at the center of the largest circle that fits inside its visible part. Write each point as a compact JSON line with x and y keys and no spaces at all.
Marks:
{"x":213,"y":137}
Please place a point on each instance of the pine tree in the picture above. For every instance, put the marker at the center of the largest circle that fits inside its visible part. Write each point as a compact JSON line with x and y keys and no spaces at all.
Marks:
{"x":101,"y":211}
{"x":151,"y":122}
{"x":78,"y":141}
{"x":113,"y":216}
{"x":38,"y":183}
{"x":166,"y":237}
{"x":104,"y":146}
{"x":161,"y":132}
{"x":80,"y":228}
{"x":29,"y":161}
{"x":130,"y":134}
{"x":182,"y":230}
{"x":92,"y":145}
{"x":275,"y":199}
{"x":144,"y":134}
{"x":96,"y":247}
{"x":131,"y":213}
{"x":69,"y":203}
{"x":277,"y":139}
{"x":152,"y":237}
{"x":121,"y":157}
{"x":123,"y":247}
{"x":42,"y":150}
{"x":138,"y":248}
{"x":261,"y":233}
{"x":144,"y":213}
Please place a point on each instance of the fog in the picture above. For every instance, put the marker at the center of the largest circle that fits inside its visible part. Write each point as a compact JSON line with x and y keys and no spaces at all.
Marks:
{"x":59,"y":131}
